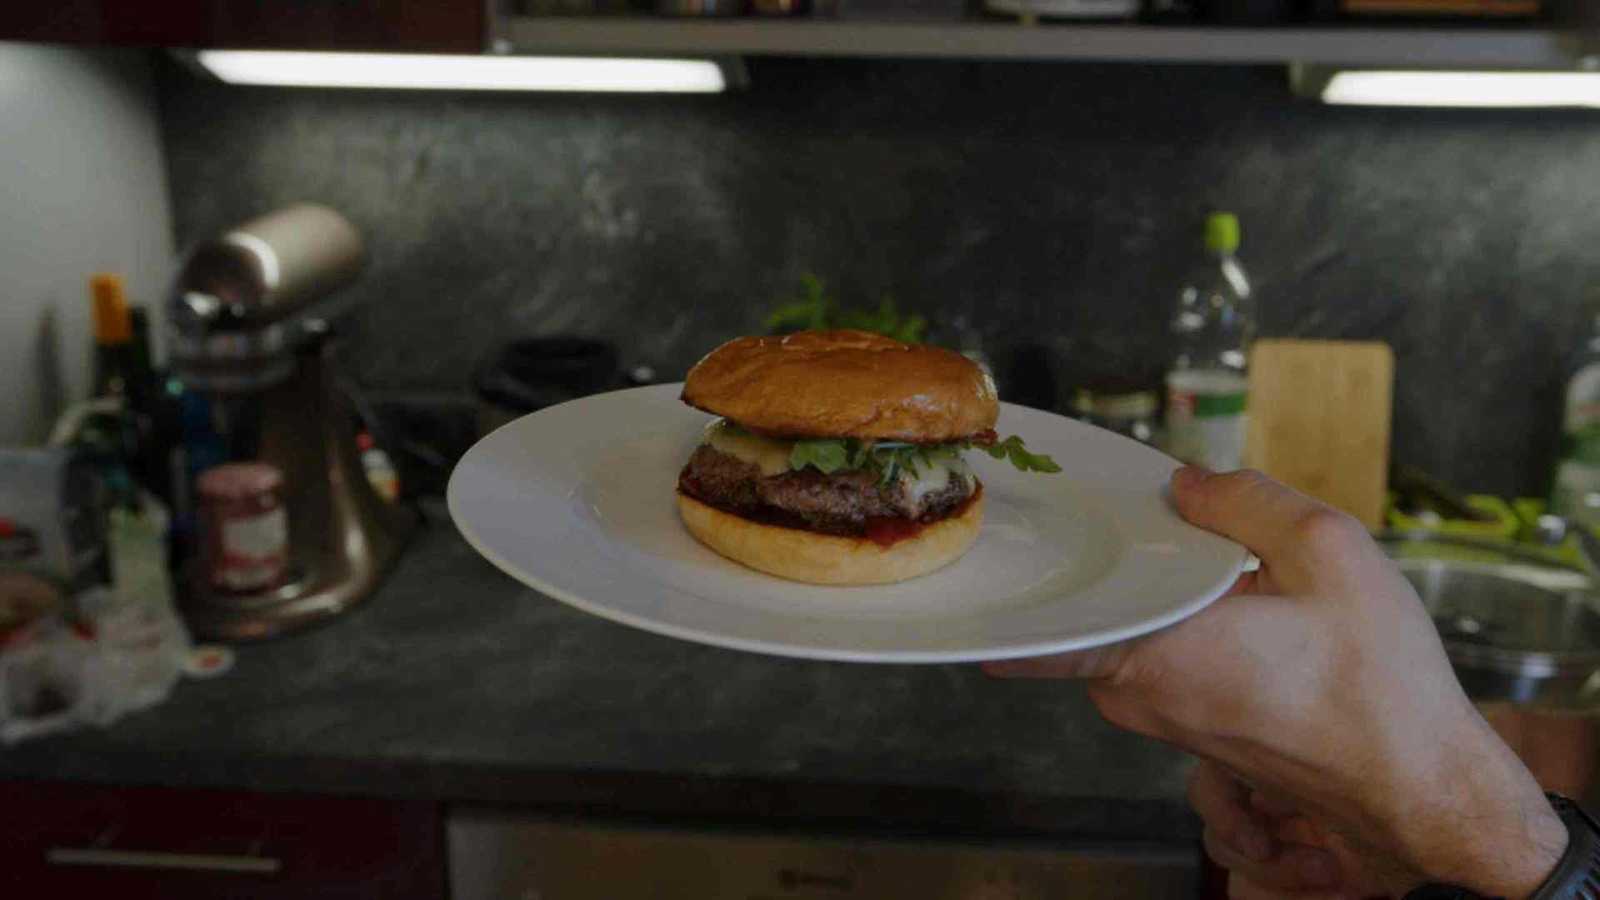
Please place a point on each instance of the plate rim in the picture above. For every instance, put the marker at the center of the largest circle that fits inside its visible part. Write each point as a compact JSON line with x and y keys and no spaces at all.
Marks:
{"x":1020,"y":650}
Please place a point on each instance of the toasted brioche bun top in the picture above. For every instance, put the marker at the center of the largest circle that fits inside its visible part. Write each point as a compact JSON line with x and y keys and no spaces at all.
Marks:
{"x":838,"y":384}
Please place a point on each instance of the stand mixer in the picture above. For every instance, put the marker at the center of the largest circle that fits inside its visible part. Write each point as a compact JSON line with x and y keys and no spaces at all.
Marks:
{"x":249,"y":322}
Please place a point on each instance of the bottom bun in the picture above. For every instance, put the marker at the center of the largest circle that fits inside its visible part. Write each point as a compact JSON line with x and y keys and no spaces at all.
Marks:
{"x":800,"y":555}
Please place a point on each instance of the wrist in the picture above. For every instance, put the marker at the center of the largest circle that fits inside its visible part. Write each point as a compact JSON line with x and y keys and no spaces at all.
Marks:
{"x":1512,"y":857}
{"x":1487,"y":825}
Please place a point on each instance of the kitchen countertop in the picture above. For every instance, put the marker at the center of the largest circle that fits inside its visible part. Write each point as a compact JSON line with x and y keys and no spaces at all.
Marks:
{"x":456,"y":683}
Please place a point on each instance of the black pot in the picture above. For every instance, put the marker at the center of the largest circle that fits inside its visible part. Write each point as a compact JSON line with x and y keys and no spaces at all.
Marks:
{"x":529,"y":374}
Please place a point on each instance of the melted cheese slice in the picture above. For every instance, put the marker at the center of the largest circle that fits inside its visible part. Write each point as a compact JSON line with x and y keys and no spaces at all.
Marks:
{"x":766,"y":454}
{"x":932,"y":480}
{"x":929,"y":480}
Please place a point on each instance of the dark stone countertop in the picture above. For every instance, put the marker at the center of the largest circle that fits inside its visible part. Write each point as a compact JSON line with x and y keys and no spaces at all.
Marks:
{"x":457,"y":684}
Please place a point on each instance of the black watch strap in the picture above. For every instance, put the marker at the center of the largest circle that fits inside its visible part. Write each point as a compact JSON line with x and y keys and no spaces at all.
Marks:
{"x":1576,"y":876}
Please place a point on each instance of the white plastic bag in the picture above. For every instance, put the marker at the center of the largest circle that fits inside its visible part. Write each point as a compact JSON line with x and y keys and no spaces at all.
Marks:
{"x":46,"y":684}
{"x":123,"y":650}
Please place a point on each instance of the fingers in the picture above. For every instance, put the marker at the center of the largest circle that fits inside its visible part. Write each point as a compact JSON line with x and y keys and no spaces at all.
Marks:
{"x":1272,"y":805}
{"x":1246,"y":506}
{"x":1240,"y":840}
{"x":1224,"y":804}
{"x":1293,"y":867}
{"x":1296,"y":537}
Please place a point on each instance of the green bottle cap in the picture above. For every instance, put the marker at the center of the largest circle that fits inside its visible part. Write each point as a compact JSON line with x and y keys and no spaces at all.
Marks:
{"x":1222,"y":232}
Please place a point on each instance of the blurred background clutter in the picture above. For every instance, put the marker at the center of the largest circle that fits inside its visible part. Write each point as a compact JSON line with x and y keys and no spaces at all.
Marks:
{"x":268,"y":270}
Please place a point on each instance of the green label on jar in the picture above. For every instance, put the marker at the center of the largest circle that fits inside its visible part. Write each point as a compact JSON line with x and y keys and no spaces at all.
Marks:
{"x":1206,"y":405}
{"x":1583,"y":445}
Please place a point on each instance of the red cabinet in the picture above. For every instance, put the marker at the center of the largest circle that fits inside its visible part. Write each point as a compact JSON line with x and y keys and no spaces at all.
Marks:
{"x":440,"y":26}
{"x":78,"y":841}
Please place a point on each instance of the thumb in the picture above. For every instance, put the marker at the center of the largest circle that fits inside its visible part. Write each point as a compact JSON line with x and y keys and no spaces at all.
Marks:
{"x":1300,"y":540}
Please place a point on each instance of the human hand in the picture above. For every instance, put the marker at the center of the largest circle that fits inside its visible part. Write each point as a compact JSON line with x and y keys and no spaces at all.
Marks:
{"x":1270,"y":848}
{"x":1320,"y":681}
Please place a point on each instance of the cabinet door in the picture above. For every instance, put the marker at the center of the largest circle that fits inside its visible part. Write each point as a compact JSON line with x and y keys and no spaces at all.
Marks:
{"x":78,"y":841}
{"x":440,"y":26}
{"x":496,"y":855}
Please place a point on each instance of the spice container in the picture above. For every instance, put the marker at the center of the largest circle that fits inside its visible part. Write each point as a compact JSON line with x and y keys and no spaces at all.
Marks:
{"x":244,"y":527}
{"x":1124,"y":410}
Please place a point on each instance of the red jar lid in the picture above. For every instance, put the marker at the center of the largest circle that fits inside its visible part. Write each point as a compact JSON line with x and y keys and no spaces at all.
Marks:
{"x":240,"y":481}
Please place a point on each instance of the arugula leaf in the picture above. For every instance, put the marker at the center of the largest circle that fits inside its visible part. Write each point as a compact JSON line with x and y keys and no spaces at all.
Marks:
{"x":885,"y":320}
{"x":891,"y":471}
{"x":816,"y":310}
{"x":1012,"y":449}
{"x":812,"y":312}
{"x":859,"y":453}
{"x":889,"y":458}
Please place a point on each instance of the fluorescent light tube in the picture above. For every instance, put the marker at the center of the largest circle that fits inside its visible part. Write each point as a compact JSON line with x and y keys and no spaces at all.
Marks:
{"x":1468,"y":89}
{"x":472,"y":73}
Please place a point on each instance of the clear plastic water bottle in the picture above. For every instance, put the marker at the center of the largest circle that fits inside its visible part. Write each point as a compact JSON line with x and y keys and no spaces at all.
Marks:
{"x":1577,"y":487}
{"x":1207,"y":383}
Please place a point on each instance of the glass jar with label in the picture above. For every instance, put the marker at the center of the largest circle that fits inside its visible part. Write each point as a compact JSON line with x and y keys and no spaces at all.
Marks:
{"x":244,"y":527}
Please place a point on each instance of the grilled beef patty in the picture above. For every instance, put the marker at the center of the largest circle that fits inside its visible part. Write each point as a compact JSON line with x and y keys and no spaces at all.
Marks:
{"x":840,"y":503}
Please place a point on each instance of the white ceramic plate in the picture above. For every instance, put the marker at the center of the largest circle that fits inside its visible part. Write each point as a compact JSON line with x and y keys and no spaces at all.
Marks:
{"x":576,"y":501}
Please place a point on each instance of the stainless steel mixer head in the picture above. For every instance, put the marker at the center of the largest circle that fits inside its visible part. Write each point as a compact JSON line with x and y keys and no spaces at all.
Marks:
{"x":244,"y":303}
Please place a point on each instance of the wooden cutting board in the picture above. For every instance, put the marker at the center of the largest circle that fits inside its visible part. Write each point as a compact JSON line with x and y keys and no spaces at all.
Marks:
{"x":1319,"y":414}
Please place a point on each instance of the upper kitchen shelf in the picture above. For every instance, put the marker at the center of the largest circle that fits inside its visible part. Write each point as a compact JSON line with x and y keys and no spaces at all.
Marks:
{"x":1483,"y":47}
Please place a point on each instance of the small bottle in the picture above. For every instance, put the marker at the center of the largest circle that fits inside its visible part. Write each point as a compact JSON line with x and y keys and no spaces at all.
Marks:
{"x":114,"y":349}
{"x":117,"y":436}
{"x":1207,"y":383}
{"x":381,"y":473}
{"x":1577,"y":486}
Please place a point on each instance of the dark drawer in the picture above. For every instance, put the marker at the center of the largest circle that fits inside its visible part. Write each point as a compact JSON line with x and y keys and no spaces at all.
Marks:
{"x":68,"y":840}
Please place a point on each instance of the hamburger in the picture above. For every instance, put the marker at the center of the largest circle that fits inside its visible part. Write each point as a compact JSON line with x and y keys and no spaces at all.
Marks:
{"x":837,"y":457}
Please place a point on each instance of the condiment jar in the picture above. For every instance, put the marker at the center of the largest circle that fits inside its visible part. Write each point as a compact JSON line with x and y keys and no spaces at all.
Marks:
{"x":244,"y":527}
{"x":1125,"y":411}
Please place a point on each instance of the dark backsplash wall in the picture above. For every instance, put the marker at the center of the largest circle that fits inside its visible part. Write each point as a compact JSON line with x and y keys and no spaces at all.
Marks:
{"x":1051,"y":208}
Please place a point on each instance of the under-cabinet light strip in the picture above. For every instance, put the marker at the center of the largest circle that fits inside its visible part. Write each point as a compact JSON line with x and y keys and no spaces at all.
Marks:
{"x":1464,"y":89}
{"x":474,"y":73}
